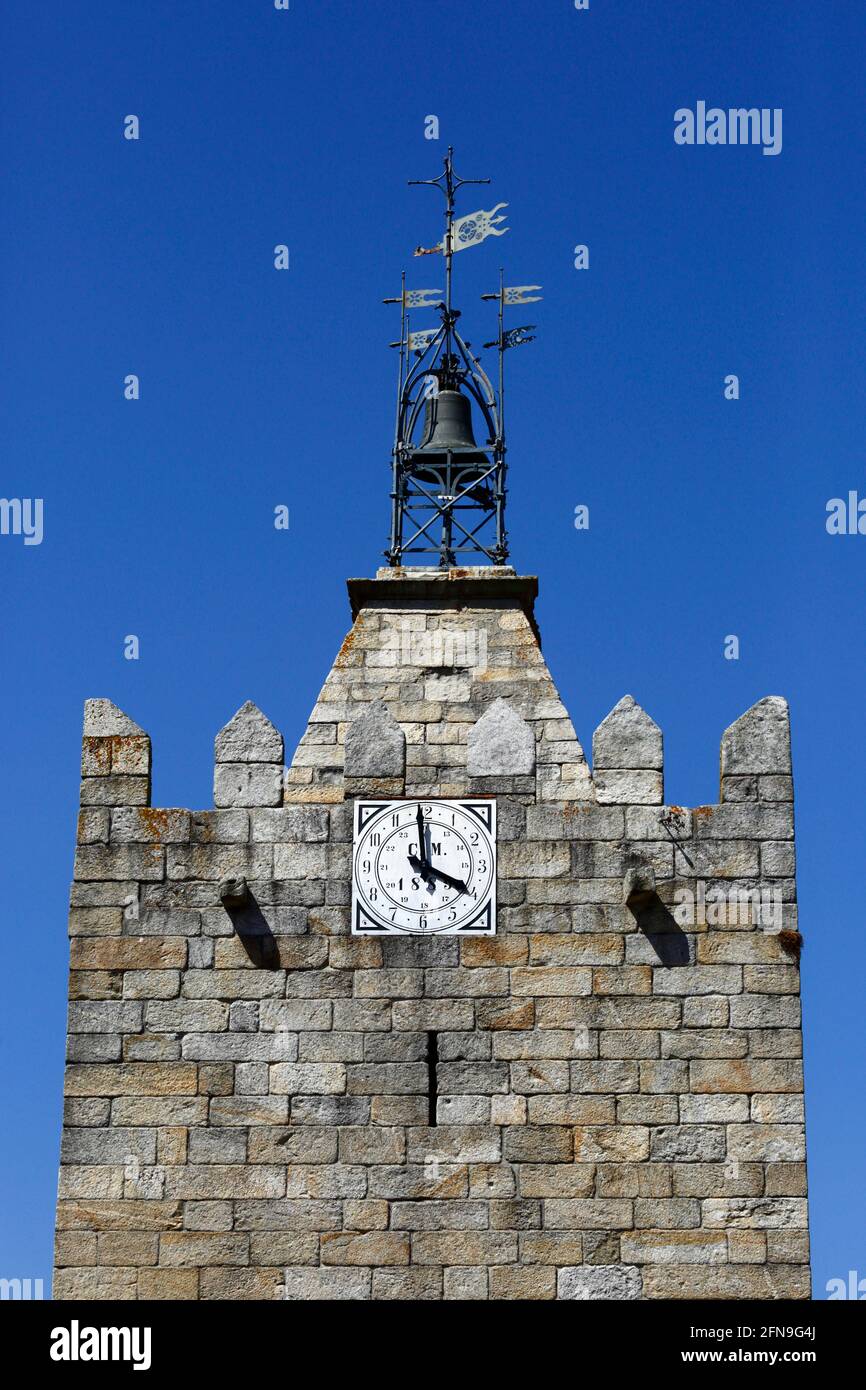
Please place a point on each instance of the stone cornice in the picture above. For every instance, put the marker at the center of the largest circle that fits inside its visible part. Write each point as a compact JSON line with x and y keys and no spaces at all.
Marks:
{"x":452,"y":588}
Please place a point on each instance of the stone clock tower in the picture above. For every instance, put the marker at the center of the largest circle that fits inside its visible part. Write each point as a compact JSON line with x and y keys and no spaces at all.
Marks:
{"x":434,"y":1011}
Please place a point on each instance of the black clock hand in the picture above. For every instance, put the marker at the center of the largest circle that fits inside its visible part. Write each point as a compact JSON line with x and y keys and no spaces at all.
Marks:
{"x":422,"y":849}
{"x":446,"y":878}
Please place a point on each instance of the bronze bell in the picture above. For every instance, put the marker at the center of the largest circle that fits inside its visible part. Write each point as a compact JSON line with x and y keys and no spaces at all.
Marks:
{"x":448,"y":426}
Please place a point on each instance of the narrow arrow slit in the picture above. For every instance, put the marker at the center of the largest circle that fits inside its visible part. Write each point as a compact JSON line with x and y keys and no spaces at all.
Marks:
{"x":432,"y":1061}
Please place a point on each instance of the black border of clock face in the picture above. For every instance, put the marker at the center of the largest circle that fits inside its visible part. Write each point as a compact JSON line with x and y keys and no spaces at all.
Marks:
{"x":364,"y":811}
{"x":482,"y":809}
{"x":484,"y":924}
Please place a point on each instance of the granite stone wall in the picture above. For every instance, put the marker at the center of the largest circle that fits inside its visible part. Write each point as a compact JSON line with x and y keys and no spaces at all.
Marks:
{"x":619,"y":1089}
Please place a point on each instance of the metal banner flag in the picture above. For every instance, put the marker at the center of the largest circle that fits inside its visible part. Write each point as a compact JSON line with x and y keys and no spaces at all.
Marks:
{"x":519,"y":294}
{"x":513,"y":337}
{"x":420,"y":341}
{"x":475,"y":227}
{"x":420,"y":299}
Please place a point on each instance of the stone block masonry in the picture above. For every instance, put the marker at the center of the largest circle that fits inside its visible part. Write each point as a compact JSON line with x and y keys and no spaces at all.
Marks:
{"x":615,"y":1109}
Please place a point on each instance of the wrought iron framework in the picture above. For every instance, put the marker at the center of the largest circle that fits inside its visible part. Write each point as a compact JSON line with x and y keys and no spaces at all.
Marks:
{"x":449,"y":503}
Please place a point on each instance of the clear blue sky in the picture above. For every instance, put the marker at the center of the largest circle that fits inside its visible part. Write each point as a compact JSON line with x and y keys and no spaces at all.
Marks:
{"x":261,"y":387}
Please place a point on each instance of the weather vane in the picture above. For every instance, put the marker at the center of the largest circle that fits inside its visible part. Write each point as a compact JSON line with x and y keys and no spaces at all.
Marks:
{"x":444,"y":473}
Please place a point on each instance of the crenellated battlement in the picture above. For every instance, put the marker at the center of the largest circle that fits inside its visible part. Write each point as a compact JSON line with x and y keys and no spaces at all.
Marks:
{"x":370,"y":750}
{"x":255,"y":834}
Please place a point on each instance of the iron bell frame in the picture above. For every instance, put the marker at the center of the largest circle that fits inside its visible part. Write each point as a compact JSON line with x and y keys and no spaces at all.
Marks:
{"x":425,"y":517}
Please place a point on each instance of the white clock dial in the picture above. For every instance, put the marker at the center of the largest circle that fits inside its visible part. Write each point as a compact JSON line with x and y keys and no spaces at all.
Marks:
{"x":426,"y":867}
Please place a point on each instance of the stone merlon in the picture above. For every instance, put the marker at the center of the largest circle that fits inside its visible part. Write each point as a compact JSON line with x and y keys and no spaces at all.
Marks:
{"x":627,"y":757}
{"x":249,"y":737}
{"x":115,"y":758}
{"x":501,"y":743}
{"x":759,"y":741}
{"x":249,"y":761}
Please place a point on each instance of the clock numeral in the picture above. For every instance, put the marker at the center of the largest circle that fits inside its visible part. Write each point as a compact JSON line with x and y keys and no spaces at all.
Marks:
{"x":375,"y":839}
{"x":374,"y":893}
{"x":473,"y":838}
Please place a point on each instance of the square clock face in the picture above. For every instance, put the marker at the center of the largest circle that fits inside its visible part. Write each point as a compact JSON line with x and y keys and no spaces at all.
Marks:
{"x":424,"y":868}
